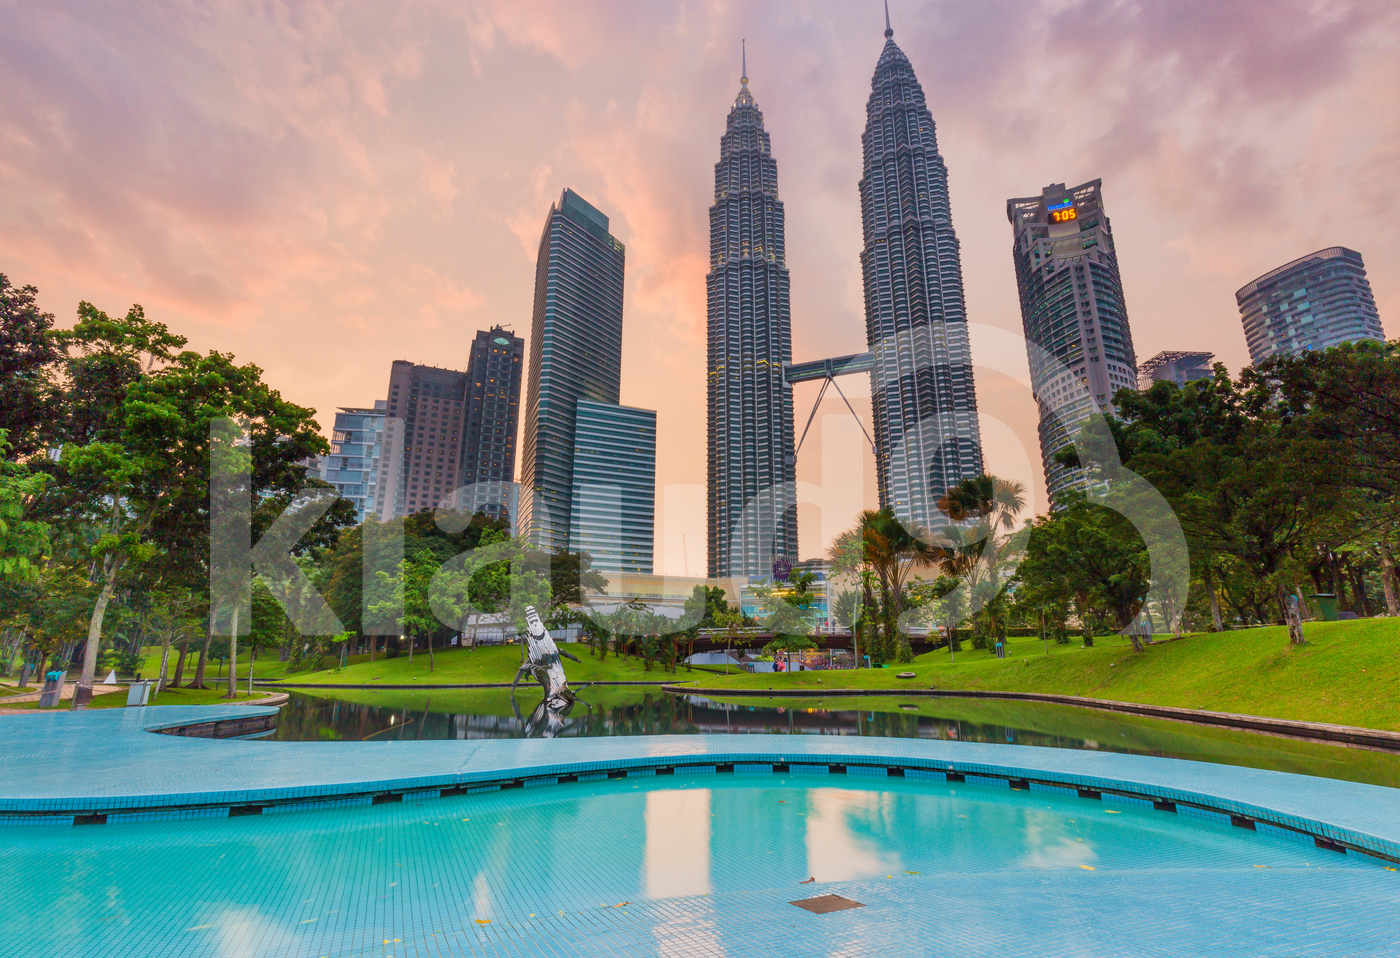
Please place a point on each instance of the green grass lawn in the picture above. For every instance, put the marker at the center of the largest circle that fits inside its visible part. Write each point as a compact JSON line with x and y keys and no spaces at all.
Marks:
{"x":494,"y":663}
{"x":1348,"y":673}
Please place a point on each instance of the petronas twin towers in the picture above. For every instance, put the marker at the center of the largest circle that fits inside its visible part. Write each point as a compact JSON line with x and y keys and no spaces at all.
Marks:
{"x":924,"y":404}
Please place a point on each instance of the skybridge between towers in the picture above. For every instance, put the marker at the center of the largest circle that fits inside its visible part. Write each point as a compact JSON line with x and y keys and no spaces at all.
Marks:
{"x":827,"y":370}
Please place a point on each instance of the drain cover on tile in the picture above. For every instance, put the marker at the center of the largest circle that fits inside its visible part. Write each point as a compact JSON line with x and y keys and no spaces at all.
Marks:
{"x":826,"y":903}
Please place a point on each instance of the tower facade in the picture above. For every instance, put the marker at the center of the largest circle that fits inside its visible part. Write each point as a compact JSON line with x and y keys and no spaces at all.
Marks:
{"x":613,"y":515}
{"x":752,"y":501}
{"x":925,"y":404}
{"x":353,"y":465}
{"x":490,"y":423}
{"x":1319,"y":300}
{"x":1073,"y":314}
{"x":422,"y":439}
{"x":575,"y":353}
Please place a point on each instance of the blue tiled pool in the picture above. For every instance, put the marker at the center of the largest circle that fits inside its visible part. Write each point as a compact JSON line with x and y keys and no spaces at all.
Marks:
{"x":119,"y":841}
{"x":695,"y":864}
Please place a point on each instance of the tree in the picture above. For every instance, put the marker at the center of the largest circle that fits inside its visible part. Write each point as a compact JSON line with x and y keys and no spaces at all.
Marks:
{"x":893,"y":551}
{"x":1243,"y":478}
{"x":24,"y":541}
{"x":788,"y":611}
{"x":1089,"y":556}
{"x":29,"y":360}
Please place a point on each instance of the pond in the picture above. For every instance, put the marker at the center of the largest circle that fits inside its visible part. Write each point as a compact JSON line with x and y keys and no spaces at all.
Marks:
{"x":353,"y":715}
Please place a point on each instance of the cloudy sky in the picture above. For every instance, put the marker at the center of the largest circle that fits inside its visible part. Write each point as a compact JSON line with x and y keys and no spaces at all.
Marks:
{"x":323,"y":187}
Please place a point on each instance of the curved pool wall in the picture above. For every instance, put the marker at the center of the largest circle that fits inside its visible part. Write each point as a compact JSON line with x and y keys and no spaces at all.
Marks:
{"x":96,"y":766}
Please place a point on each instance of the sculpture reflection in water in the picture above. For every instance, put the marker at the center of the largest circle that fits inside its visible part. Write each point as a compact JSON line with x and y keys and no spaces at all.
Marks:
{"x":542,"y":660}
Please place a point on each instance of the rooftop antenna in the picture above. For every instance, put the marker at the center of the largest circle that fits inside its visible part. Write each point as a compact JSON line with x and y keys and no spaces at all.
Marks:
{"x":888,"y":31}
{"x":744,"y":76}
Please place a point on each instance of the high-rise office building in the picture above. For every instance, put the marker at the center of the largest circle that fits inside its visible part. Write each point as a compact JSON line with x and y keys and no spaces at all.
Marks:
{"x":613,"y":508}
{"x":575,"y":353}
{"x":487,"y":470}
{"x":1072,"y":310}
{"x":353,"y":464}
{"x":752,"y":502}
{"x":1319,"y":300}
{"x":925,"y":405}
{"x":1175,"y":367}
{"x":422,"y":438}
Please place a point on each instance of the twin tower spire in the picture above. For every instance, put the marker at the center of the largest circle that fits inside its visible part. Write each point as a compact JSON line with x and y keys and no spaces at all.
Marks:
{"x":923,"y":402}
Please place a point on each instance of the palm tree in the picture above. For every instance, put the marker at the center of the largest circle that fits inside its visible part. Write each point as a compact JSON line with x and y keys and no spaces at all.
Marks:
{"x":892,"y":550}
{"x":983,"y":510}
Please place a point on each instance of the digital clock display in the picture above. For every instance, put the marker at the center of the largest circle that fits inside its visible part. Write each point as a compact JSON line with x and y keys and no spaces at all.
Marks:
{"x":1061,"y":211}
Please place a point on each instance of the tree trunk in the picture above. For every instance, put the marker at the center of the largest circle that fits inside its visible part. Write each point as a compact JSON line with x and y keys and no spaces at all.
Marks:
{"x":232,"y":692}
{"x":111,"y":565}
{"x":431,"y":663}
{"x":1392,"y":604}
{"x":164,"y":660}
{"x":198,"y":681}
{"x":180,"y":664}
{"x":373,"y":641}
{"x":1215,"y":620}
{"x":1294,"y":620}
{"x":411,"y":643}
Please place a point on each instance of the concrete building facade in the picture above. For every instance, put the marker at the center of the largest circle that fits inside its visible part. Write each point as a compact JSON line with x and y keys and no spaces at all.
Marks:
{"x":422,"y":438}
{"x":1073,"y":315}
{"x":1319,"y":300}
{"x":1175,"y":367}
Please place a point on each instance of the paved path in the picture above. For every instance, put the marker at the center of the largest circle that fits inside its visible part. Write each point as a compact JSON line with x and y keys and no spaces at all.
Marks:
{"x":65,"y":695}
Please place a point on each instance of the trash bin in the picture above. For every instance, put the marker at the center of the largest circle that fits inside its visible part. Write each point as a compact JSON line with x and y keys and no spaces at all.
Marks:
{"x":139,"y":693}
{"x":1326,"y":606}
{"x":52,"y":692}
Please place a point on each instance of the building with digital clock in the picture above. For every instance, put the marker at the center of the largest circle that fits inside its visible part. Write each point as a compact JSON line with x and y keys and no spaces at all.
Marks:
{"x":1319,"y":300}
{"x":1073,"y":314}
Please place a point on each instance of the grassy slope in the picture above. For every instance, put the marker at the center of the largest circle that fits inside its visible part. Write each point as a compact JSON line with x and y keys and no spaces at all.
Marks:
{"x":1348,"y":673}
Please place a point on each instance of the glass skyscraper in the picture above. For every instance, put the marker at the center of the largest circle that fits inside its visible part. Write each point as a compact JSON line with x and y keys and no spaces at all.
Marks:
{"x":1320,"y":300}
{"x":575,"y":353}
{"x":613,"y":510}
{"x":1076,"y":324}
{"x":492,"y":414}
{"x":353,"y":465}
{"x":752,"y":506}
{"x":925,"y":404}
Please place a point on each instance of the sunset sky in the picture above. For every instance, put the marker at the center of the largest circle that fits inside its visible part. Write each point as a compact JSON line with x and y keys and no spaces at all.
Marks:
{"x":321,"y":188}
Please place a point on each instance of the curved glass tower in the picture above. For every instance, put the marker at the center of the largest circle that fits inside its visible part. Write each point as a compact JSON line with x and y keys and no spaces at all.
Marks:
{"x":752,"y":497}
{"x":925,"y":406}
{"x":1078,"y":341}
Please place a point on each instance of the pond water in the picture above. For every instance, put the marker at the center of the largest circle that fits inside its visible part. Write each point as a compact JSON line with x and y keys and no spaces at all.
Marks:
{"x":477,"y":714}
{"x":691,"y":865}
